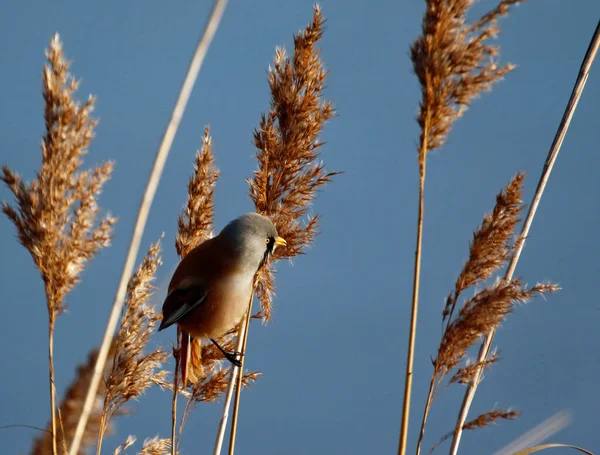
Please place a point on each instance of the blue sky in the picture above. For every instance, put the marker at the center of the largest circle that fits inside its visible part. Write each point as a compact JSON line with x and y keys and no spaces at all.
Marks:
{"x":333,"y":357}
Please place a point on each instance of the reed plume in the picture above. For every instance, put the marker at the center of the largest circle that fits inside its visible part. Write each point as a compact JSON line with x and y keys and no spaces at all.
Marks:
{"x":454,"y":62}
{"x":491,"y":245}
{"x":287,"y":141}
{"x":56,"y":214}
{"x":128,"y":443}
{"x":133,"y":369}
{"x":156,"y":446}
{"x":195,"y":222}
{"x":289,"y":171}
{"x":70,"y":410}
{"x":489,"y":252}
{"x":482,"y":420}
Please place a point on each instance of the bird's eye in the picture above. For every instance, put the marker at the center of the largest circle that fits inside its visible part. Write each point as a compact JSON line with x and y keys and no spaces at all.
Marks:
{"x":268,"y":240}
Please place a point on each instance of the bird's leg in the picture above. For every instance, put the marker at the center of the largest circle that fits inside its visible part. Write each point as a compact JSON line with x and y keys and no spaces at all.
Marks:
{"x":231,"y":356}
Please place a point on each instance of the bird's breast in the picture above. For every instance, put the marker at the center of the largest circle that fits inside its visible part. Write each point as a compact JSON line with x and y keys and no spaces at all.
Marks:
{"x":224,"y":307}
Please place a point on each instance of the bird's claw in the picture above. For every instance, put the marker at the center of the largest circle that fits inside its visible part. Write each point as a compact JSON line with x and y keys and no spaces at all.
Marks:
{"x":233,"y":358}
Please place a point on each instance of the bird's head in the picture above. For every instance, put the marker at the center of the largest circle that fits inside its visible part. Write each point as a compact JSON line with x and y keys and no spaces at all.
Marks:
{"x":254,"y":237}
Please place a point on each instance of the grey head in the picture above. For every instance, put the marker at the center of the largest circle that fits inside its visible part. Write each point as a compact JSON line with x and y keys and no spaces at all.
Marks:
{"x":254,"y":238}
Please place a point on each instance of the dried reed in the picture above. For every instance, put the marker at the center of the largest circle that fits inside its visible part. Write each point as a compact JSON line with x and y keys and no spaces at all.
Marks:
{"x":175,"y":388}
{"x":156,"y":446}
{"x":195,"y":222}
{"x":233,"y":381}
{"x":144,"y":210}
{"x":548,"y":165}
{"x":480,"y":421}
{"x":70,"y":410}
{"x":56,"y":214}
{"x":128,"y":443}
{"x":454,"y":63}
{"x":489,"y":252}
{"x":289,"y":171}
{"x":134,"y":370}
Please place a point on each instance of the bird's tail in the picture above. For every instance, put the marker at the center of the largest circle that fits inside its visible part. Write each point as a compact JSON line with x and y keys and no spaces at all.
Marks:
{"x":190,"y":359}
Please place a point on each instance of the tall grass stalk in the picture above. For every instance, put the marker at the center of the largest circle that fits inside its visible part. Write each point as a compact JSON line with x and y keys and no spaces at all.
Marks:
{"x":238,"y":382}
{"x":454,"y":63}
{"x":414,"y":306}
{"x":236,"y":372}
{"x":176,"y":354}
{"x":548,"y":165}
{"x":56,"y":214}
{"x":144,"y":210}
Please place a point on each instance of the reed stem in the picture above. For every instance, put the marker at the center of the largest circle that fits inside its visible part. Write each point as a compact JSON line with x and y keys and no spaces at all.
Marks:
{"x":180,"y":334}
{"x":235,"y":373}
{"x":415,"y":304}
{"x":51,"y":379}
{"x":143,"y":212}
{"x":238,"y":386}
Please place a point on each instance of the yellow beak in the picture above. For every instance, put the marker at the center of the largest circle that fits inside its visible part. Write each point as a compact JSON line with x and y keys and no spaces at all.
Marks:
{"x":280,"y":241}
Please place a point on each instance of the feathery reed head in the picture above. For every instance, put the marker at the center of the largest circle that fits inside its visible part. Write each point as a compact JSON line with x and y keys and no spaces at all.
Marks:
{"x":289,"y":173}
{"x":480,"y":421}
{"x":56,"y":215}
{"x":133,"y":370}
{"x":128,"y":443}
{"x":489,"y":251}
{"x":481,"y":314}
{"x":454,"y":63}
{"x":195,"y":222}
{"x":465,"y":374}
{"x":491,"y":245}
{"x":70,"y":410}
{"x":489,"y":417}
{"x":216,"y":385}
{"x":156,"y":446}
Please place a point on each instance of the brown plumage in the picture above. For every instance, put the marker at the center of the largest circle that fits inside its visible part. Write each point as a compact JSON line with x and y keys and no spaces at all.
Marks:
{"x":209,"y":273}
{"x":211,"y":288}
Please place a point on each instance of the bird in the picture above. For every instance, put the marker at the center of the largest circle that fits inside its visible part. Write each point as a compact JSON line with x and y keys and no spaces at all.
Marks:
{"x":211,"y":287}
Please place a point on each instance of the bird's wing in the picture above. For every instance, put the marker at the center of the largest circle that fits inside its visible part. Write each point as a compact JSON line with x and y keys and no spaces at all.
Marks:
{"x":181,"y":302}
